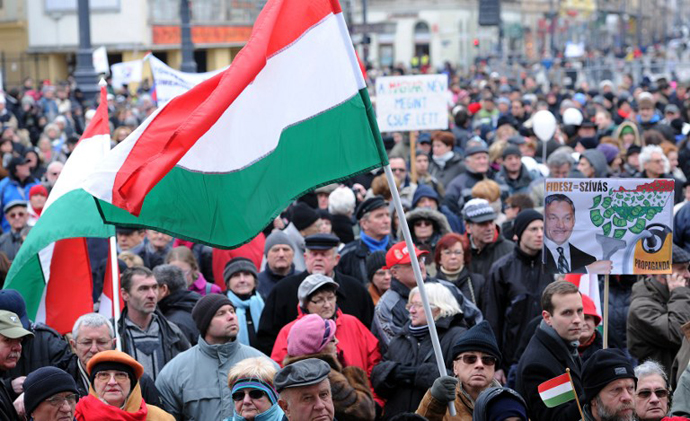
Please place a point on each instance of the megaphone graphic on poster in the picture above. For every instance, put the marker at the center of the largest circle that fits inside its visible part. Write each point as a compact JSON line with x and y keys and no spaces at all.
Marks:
{"x":647,"y":252}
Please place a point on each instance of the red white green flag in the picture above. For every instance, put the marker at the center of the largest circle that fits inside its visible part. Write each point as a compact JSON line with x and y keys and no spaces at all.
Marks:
{"x":216,"y":164}
{"x":557,"y":391}
{"x":51,"y":270}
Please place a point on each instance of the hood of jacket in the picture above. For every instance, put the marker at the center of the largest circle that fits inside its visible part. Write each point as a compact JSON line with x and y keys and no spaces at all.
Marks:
{"x":489,"y":395}
{"x":424,"y":190}
{"x":439,"y":220}
{"x":179,"y":300}
{"x":598,"y":161}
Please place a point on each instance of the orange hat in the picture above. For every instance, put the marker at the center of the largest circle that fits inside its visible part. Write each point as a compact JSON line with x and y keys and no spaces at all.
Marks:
{"x":590,"y":309}
{"x":398,"y":255}
{"x":115,"y":357}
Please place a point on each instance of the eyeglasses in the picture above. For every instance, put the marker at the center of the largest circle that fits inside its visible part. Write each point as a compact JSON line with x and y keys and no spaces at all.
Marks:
{"x":99,"y":343}
{"x":410,"y":306}
{"x":320,"y":302}
{"x":422,"y":223}
{"x":660,"y":393}
{"x":253,"y":394}
{"x":487,"y":360}
{"x":57,"y":401}
{"x":448,"y":252}
{"x":398,"y":169}
{"x":105,"y":376}
{"x":16,"y":215}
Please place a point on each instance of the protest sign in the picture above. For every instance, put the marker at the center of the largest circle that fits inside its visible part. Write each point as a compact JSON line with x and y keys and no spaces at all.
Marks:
{"x":608,"y":226}
{"x":170,"y":83}
{"x":126,"y":72}
{"x":405,"y":103}
{"x":100,"y":60}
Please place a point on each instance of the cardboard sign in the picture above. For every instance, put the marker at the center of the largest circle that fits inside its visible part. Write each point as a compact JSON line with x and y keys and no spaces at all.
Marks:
{"x":405,"y":103}
{"x":608,"y":226}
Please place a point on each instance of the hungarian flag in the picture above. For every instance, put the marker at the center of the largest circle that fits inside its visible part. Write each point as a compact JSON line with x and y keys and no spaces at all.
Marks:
{"x":557,"y":391}
{"x":216,"y":164}
{"x":107,"y":301}
{"x":588,"y":284}
{"x":52,"y":270}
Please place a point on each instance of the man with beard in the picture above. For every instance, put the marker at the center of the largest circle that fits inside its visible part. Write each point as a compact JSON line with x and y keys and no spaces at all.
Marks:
{"x":609,"y":382}
{"x":652,"y":392}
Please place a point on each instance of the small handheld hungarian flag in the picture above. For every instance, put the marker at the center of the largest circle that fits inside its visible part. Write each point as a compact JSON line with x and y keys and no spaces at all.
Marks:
{"x":557,"y":391}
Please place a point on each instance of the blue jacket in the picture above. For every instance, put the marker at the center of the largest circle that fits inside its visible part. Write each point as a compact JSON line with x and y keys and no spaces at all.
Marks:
{"x":10,"y":190}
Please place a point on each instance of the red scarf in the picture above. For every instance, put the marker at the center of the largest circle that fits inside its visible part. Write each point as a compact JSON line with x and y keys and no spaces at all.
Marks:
{"x":91,"y":408}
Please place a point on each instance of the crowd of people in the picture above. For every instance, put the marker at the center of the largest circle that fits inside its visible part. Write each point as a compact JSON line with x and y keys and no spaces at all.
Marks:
{"x":320,"y":316}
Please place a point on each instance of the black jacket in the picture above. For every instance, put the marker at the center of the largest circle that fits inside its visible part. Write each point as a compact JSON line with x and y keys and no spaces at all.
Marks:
{"x":513,"y":299}
{"x":405,"y":350}
{"x":7,"y":412}
{"x":578,"y":260}
{"x":177,"y":308}
{"x":545,"y":358}
{"x":483,"y":259}
{"x":342,"y":227}
{"x":267,"y":280}
{"x":470,"y":284}
{"x":281,"y":306}
{"x":620,"y":294}
{"x":353,"y":260}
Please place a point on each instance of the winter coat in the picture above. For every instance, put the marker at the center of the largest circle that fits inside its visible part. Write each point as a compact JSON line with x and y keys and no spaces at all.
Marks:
{"x":654,"y":321}
{"x":298,"y":245}
{"x":343,"y":228}
{"x":483,"y":259}
{"x":518,"y":185}
{"x":353,"y":260}
{"x":591,"y":348}
{"x":352,"y":398}
{"x":194,"y":386}
{"x":513,"y":299}
{"x":681,"y":227}
{"x":7,"y":412}
{"x":10,"y":242}
{"x":459,"y":190}
{"x":633,"y":126}
{"x":424,"y":190}
{"x":620,"y":293}
{"x":470,"y":284}
{"x":177,"y":308}
{"x":268,"y":279}
{"x":439,"y":222}
{"x":357,"y":346}
{"x":681,"y":397}
{"x":281,"y":305}
{"x":92,"y":408}
{"x":405,"y":350}
{"x":546,"y":357}
{"x":11,"y":189}
{"x":434,"y":410}
{"x":682,"y":358}
{"x":490,"y":394}
{"x":453,"y":167}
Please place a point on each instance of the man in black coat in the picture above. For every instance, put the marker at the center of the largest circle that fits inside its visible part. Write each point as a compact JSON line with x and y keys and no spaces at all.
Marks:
{"x":553,"y":348}
{"x":281,"y":305}
{"x":175,"y":301}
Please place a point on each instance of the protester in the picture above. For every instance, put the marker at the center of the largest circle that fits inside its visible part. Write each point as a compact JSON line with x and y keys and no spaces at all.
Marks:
{"x":157,"y":245}
{"x":183,"y":258}
{"x":240,"y":277}
{"x":486,"y":243}
{"x":16,"y":215}
{"x":175,"y":301}
{"x":341,"y":204}
{"x":305,"y":391}
{"x":590,"y":339}
{"x":50,"y":394}
{"x":16,"y":186}
{"x":652,"y":392}
{"x":475,"y":357}
{"x":115,"y":393}
{"x":452,"y":257}
{"x":426,"y":197}
{"x":427,"y":226}
{"x":251,"y":383}
{"x":11,"y":336}
{"x":445,"y":163}
{"x":303,"y":223}
{"x":37,"y":200}
{"x":378,"y":276}
{"x":500,"y":403}
{"x":609,"y":385}
{"x":408,"y":368}
{"x":202,"y":370}
{"x":279,"y":255}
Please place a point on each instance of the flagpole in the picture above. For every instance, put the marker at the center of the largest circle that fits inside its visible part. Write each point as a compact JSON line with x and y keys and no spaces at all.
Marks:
{"x":115,"y":274}
{"x":606,"y":312}
{"x":577,"y":400}
{"x":418,"y":277}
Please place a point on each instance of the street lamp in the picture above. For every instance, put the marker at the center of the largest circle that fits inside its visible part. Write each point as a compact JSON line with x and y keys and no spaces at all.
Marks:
{"x":85,"y":75}
{"x":188,"y":63}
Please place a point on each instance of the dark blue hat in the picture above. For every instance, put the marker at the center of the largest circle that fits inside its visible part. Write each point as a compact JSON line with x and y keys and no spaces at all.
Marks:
{"x":321,"y":242}
{"x":13,"y":301}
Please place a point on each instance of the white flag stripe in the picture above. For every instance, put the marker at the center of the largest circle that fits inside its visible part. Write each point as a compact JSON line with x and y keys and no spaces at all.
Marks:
{"x":556,"y":391}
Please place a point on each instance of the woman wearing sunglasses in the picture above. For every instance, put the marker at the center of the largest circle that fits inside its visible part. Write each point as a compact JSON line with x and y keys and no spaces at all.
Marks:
{"x":255,"y":399}
{"x":427,"y":226}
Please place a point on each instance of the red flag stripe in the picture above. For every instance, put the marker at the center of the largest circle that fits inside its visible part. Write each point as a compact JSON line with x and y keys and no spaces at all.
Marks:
{"x":99,"y":124}
{"x":556,"y":381}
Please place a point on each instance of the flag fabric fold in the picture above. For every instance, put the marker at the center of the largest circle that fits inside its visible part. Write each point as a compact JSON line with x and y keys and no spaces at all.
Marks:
{"x":51,"y":270}
{"x":216,"y":164}
{"x":557,"y":391}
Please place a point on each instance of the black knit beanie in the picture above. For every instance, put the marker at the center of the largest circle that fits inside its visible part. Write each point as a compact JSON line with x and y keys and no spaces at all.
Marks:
{"x":375,"y":261}
{"x":303,"y":216}
{"x":206,"y":308}
{"x":603,"y":367}
{"x":523,"y":219}
{"x":480,"y":338}
{"x":44,"y":383}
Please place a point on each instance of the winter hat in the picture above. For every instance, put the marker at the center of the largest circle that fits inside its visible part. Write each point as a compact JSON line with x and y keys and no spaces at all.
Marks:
{"x":44,"y":383}
{"x":239,"y":264}
{"x":301,"y":373}
{"x":627,"y":130}
{"x":38,"y":189}
{"x":596,"y":160}
{"x":523,"y":219}
{"x":589,"y":309}
{"x":312,"y":284}
{"x":645,"y":100}
{"x":680,"y":255}
{"x":310,"y":335}
{"x":424,"y":190}
{"x":303,"y":216}
{"x":206,"y":308}
{"x":603,"y":367}
{"x":115,"y":360}
{"x":506,"y":405}
{"x":12,"y":300}
{"x":474,"y":108}
{"x":375,"y":261}
{"x":480,"y":338}
{"x":609,"y":151}
{"x":478,"y":211}
{"x":511,"y":150}
{"x":275,"y":238}
{"x":588,"y":142}
{"x":371,"y":204}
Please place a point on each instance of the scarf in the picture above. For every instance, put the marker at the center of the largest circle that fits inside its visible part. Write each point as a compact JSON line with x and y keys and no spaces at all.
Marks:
{"x":451,"y":276}
{"x":374,"y":245}
{"x":91,"y":408}
{"x":255,"y":305}
{"x":441,"y":160}
{"x":419,"y":332}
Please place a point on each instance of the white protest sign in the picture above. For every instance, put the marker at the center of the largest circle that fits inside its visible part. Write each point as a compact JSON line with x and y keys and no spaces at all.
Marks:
{"x":610,"y":226}
{"x":100,"y":60}
{"x":170,"y":83}
{"x":126,"y":72}
{"x":405,"y":103}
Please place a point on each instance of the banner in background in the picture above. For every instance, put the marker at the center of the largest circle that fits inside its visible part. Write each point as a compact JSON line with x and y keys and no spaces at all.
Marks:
{"x":126,"y":73}
{"x":100,"y":60}
{"x":405,"y":103}
{"x":170,"y":83}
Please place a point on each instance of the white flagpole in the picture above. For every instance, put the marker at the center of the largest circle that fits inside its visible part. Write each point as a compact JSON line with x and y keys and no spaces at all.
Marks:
{"x":114,"y":272}
{"x":418,"y":276}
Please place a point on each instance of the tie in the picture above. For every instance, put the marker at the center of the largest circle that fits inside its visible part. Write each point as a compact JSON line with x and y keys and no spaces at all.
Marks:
{"x":562,"y":263}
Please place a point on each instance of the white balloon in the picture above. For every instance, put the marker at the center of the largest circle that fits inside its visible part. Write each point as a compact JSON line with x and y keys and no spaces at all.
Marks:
{"x":572,"y":116}
{"x":544,"y":125}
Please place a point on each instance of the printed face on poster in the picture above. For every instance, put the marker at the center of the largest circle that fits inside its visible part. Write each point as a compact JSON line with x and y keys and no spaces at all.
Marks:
{"x":608,"y":226}
{"x":406,"y":103}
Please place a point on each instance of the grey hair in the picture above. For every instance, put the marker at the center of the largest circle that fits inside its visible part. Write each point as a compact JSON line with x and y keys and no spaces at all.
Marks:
{"x":649,"y":368}
{"x":441,"y":298}
{"x":341,"y":201}
{"x":646,"y":156}
{"x":559,"y":158}
{"x":171,"y":276}
{"x":92,"y":320}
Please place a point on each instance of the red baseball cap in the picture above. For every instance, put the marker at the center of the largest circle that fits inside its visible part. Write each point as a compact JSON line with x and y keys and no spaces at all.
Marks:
{"x":399,"y":255}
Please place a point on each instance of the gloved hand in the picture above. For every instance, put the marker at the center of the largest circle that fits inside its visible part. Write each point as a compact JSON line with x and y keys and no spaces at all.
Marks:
{"x":403,"y":374}
{"x":443,"y":389}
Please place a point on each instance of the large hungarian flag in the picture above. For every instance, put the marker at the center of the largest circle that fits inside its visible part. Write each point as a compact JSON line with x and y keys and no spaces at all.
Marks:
{"x":217,"y":163}
{"x":52,"y":270}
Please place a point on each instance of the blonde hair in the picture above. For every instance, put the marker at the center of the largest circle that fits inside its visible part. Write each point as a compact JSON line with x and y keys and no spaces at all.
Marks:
{"x":487,"y":189}
{"x":496,"y":149}
{"x":439,"y":297}
{"x":253,"y":368}
{"x":131,"y":259}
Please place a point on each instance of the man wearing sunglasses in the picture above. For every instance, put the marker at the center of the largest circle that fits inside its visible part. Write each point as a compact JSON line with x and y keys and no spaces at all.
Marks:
{"x":17,"y":215}
{"x":651,"y":394}
{"x":475,"y":355}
